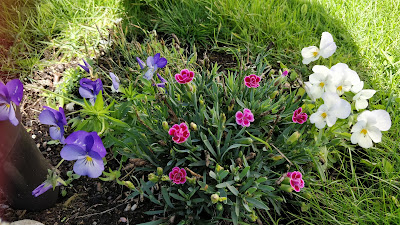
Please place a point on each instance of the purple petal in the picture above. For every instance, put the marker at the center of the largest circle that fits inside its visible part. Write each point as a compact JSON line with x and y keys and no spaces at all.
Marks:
{"x":156,"y":58}
{"x":42,"y":188}
{"x":47,"y":117}
{"x":141,"y":63}
{"x":161,"y":78}
{"x":63,"y":119}
{"x":4,"y":92}
{"x":149,"y":74}
{"x":93,"y":168}
{"x":98,"y":145}
{"x":87,"y":83}
{"x":98,"y":86}
{"x":4,"y":112}
{"x":86,"y":67}
{"x":161,"y":85}
{"x":150,"y":61}
{"x":56,"y":133}
{"x":115,"y":81}
{"x":77,"y":138}
{"x":89,"y":142}
{"x":72,"y":152}
{"x":15,"y":90}
{"x":86,"y":93}
{"x":162,"y":62}
{"x":11,"y":116}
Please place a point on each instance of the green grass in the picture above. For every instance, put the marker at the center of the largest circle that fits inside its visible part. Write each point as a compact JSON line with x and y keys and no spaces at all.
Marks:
{"x":367,"y":34}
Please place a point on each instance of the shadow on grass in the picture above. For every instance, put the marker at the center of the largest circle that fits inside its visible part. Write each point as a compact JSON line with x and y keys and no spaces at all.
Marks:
{"x":280,"y":27}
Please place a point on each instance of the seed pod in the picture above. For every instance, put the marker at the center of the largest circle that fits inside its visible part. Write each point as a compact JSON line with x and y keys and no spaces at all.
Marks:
{"x":165,"y":125}
{"x":160,"y":171}
{"x":193,"y":126}
{"x":220,"y":207}
{"x":214,"y":198}
{"x":293,"y":138}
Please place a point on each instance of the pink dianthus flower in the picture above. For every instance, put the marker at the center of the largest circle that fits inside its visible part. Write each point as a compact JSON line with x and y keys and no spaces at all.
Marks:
{"x":177,"y":175}
{"x":184,"y":77}
{"x":252,"y":81}
{"x":179,"y":133}
{"x":299,"y":116}
{"x":296,"y":180}
{"x":244,"y":118}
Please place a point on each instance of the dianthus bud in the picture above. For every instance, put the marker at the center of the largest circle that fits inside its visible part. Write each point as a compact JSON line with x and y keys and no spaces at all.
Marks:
{"x":165,"y":125}
{"x":193,"y":126}
{"x":246,"y":141}
{"x":221,"y":199}
{"x":220,"y":207}
{"x":277,"y":157}
{"x":164,"y":178}
{"x":129,"y":184}
{"x":218,"y":168}
{"x":214,"y":198}
{"x":273,"y":94}
{"x":152,"y":177}
{"x":293,"y":138}
{"x":285,"y":187}
{"x":191,"y":180}
{"x":160,"y":171}
{"x":223,"y":117}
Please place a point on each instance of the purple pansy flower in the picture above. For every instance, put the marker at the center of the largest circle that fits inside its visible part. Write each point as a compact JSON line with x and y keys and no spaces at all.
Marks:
{"x":153,"y":63}
{"x":45,"y":186}
{"x":10,"y":95}
{"x":88,"y":149}
{"x":86,"y":67}
{"x":56,"y":119}
{"x":90,"y":89}
{"x":115,"y":82}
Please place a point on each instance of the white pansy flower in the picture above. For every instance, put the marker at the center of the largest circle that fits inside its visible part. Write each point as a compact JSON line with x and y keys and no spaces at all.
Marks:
{"x":321,"y":81}
{"x":357,"y":87}
{"x":326,"y":48}
{"x":344,"y":78}
{"x":334,"y":107}
{"x":361,"y":98}
{"x":307,"y":87}
{"x":369,"y":127}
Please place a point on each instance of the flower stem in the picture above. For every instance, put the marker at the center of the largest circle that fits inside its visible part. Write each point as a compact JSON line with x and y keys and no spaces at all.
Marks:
{"x":59,"y":164}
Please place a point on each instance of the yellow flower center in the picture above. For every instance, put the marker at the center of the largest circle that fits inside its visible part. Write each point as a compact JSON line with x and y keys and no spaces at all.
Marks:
{"x":315,"y":53}
{"x":324,"y":115}
{"x":322,"y":84}
{"x":88,"y":158}
{"x":8,"y":105}
{"x":339,"y":88}
{"x":364,"y":131}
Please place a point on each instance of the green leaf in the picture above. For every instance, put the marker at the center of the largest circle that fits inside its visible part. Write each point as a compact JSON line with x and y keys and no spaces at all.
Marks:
{"x":244,"y":172}
{"x":257,"y":203}
{"x":165,"y":194}
{"x":208,"y":145}
{"x":99,"y":103}
{"x":235,"y":217}
{"x":261,"y":180}
{"x":224,"y":184}
{"x":223,"y":174}
{"x":177,"y":197}
{"x":233,"y":189}
{"x":119,"y":122}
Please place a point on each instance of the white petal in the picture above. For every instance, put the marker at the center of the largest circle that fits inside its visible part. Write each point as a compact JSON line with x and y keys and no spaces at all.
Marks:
{"x":343,"y":109}
{"x":364,"y":141}
{"x":308,"y":54}
{"x":307,"y":87}
{"x":330,"y":99}
{"x":364,"y":116}
{"x":359,"y":126}
{"x":355,"y":137}
{"x":357,"y":87}
{"x":330,"y":120}
{"x":327,"y":45}
{"x":318,"y":120}
{"x":375,"y":134}
{"x":316,"y":91}
{"x":382,"y":118}
{"x":367,"y":94}
{"x":321,"y":69}
{"x":361,"y":104}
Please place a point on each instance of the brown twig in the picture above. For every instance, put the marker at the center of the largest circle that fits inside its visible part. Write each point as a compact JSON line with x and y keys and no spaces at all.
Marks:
{"x":282,"y":154}
{"x":193,"y":173}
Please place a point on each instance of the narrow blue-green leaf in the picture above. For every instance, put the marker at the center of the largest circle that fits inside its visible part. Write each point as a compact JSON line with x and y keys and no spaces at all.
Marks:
{"x":165,"y":195}
{"x":257,"y":203}
{"x":233,"y":189}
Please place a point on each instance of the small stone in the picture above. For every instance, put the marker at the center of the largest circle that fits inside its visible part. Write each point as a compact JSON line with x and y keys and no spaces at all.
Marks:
{"x":48,"y":149}
{"x":127,"y":208}
{"x":94,"y":223}
{"x":123,"y":220}
{"x":134,"y":207}
{"x":33,"y":136}
{"x":26,"y":222}
{"x":38,"y":145}
{"x":44,"y":144}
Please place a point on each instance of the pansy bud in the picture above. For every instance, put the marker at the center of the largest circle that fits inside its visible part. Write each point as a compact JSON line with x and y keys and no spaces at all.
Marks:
{"x":246,"y":141}
{"x":193,"y":126}
{"x":160,"y":171}
{"x":165,"y":125}
{"x":191,"y":180}
{"x":240,"y":154}
{"x":152,"y":177}
{"x":293,"y":138}
{"x":214,"y":198}
{"x":285,"y":187}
